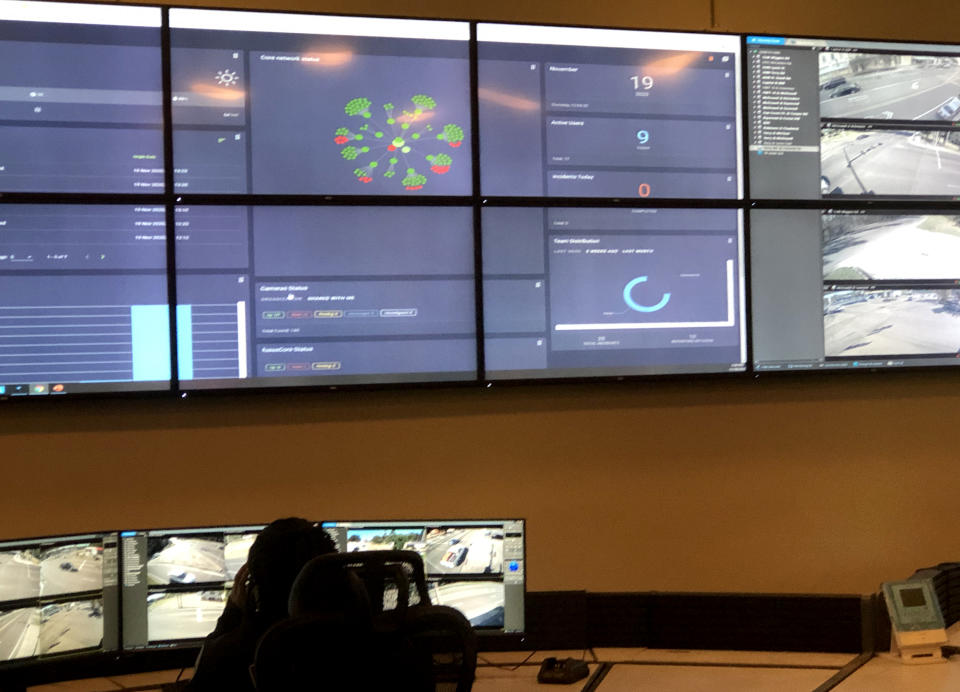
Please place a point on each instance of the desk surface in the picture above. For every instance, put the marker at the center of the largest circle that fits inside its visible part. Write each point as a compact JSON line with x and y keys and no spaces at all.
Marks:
{"x":628,"y":670}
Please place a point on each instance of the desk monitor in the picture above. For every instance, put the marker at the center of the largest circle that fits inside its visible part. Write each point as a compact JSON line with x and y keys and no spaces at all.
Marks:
{"x":81,"y":104}
{"x":275,"y":296}
{"x":853,"y":289}
{"x":859,"y":120}
{"x":58,"y":595}
{"x":83,"y":299}
{"x":176,"y":582}
{"x":576,"y":112}
{"x":578,"y":292}
{"x":273,"y":103}
{"x":475,"y":566}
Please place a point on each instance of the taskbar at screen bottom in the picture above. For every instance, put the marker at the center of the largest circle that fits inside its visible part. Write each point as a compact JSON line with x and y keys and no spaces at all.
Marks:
{"x":617,"y":372}
{"x":329,"y":381}
{"x":55,"y":388}
{"x":866,"y":363}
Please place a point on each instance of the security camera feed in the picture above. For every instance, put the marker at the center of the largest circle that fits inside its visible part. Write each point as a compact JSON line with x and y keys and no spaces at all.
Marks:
{"x":312,"y":104}
{"x":832,"y":118}
{"x":83,"y":299}
{"x":575,"y":292}
{"x":858,"y":161}
{"x":889,"y":86}
{"x":568,"y":112}
{"x":58,"y":595}
{"x":481,"y":602}
{"x":185,"y":559}
{"x":326,"y":296}
{"x":854,"y":289}
{"x":80,"y":98}
{"x":19,"y":633}
{"x":177,"y":581}
{"x":474,"y":566}
{"x":173,"y":615}
{"x":70,"y":626}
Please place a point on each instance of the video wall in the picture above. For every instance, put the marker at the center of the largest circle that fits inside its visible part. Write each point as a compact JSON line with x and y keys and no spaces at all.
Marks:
{"x":300,"y":200}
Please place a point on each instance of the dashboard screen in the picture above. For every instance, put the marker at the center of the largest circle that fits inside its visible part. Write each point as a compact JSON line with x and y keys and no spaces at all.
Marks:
{"x":858,"y":120}
{"x":80,"y":98}
{"x":58,"y":595}
{"x":576,"y":292}
{"x":83,"y":299}
{"x":568,"y":112}
{"x":285,"y":296}
{"x":311,"y":104}
{"x":842,"y":289}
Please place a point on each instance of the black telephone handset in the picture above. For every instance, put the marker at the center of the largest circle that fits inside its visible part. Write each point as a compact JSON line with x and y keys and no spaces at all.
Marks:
{"x":562,"y":671}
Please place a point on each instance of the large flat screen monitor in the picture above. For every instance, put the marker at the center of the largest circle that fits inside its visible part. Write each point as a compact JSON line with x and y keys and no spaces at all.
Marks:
{"x":80,"y":98}
{"x":858,"y":120}
{"x":567,"y":112}
{"x":273,"y":296}
{"x":577,"y":292}
{"x":83,"y":299}
{"x":841,"y":289}
{"x":176,"y":582}
{"x":475,"y":566}
{"x":311,"y":104}
{"x":58,"y":596}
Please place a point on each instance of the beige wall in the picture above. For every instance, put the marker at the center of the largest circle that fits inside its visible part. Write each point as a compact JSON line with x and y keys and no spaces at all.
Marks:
{"x":806,"y":485}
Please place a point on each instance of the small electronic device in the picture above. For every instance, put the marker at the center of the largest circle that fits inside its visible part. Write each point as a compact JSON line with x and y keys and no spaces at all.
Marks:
{"x":918,"y":627}
{"x":562,"y":671}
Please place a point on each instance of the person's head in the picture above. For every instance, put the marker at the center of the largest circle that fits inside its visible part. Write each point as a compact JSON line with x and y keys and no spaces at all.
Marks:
{"x":276,"y":558}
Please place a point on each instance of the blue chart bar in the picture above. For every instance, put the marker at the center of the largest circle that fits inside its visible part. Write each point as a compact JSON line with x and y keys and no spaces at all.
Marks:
{"x":185,"y":341}
{"x":150,"y":330}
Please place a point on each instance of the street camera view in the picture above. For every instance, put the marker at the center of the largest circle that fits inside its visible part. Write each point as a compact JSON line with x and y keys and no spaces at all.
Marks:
{"x":858,"y":161}
{"x":50,"y":629}
{"x":235,"y":552}
{"x":186,"y":560}
{"x":890,"y":247}
{"x":183,"y":614}
{"x":19,"y":633}
{"x":34,"y":572}
{"x":71,"y":569}
{"x":889,"y":86}
{"x":481,"y":602}
{"x":444,"y":550}
{"x":19,"y":575}
{"x":885,"y":322}
{"x":70,"y":627}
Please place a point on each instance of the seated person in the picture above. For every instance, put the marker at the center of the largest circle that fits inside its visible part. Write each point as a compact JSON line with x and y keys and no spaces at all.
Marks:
{"x":258,"y":600}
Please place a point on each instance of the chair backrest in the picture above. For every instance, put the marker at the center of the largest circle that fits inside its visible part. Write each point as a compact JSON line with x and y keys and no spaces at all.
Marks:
{"x":387,"y":576}
{"x":446,"y":637}
{"x":356,"y":624}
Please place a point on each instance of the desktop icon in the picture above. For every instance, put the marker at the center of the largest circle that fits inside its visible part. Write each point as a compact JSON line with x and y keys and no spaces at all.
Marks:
{"x":39,"y":389}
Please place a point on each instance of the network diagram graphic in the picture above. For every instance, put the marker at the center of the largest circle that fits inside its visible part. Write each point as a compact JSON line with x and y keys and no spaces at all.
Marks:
{"x":404,"y":142}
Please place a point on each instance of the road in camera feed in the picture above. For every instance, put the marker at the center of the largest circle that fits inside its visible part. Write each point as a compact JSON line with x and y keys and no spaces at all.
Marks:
{"x":893,"y":322}
{"x":71,"y":626}
{"x":891,"y":247}
{"x":187,"y":615}
{"x":187,"y":561}
{"x":888,"y":162}
{"x":906,"y":92}
{"x":19,"y":633}
{"x":464,"y":551}
{"x":71,"y":569}
{"x":235,"y":553}
{"x":19,"y":576}
{"x":481,"y":602}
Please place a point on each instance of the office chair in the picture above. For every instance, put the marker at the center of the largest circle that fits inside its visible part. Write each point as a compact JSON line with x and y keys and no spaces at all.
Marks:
{"x":352,"y":626}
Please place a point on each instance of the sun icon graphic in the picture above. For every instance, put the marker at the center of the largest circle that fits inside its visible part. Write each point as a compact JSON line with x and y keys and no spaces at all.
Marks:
{"x":227,"y":78}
